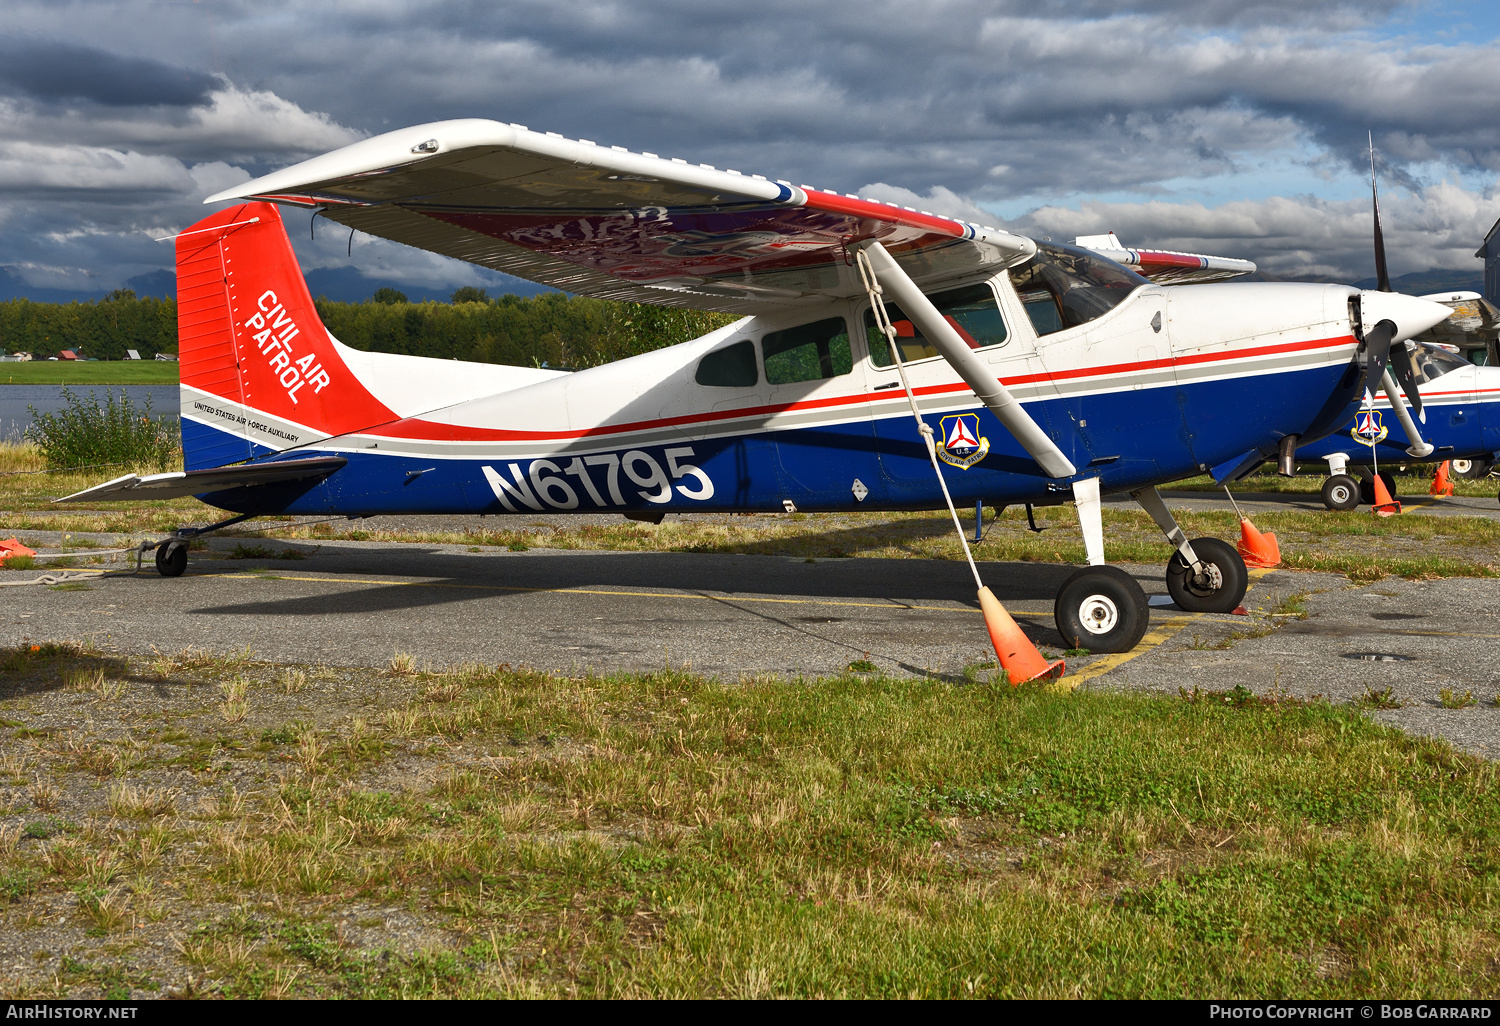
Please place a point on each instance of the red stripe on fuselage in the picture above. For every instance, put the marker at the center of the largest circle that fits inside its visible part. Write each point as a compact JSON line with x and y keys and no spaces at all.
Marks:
{"x":417,"y":429}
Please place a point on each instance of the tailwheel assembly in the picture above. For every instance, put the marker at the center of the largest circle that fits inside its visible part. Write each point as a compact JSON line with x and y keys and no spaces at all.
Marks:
{"x":1341,"y":492}
{"x":1219,"y":588}
{"x":1102,"y":609}
{"x":171,"y":558}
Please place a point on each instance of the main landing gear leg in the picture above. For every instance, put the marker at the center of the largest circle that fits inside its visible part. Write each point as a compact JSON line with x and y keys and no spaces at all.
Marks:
{"x":1204,"y":575}
{"x":1100,"y":608}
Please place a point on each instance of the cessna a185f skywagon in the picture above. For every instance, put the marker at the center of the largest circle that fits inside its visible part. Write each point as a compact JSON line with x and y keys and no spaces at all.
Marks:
{"x":1047,"y":373}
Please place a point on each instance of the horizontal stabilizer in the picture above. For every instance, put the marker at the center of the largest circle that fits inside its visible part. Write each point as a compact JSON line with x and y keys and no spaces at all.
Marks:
{"x":215,"y":479}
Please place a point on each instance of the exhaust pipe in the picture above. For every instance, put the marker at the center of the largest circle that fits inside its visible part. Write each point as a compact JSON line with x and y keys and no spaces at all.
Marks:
{"x":1286,"y":459}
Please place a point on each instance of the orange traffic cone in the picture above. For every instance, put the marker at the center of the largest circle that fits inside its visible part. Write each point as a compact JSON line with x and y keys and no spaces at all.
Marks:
{"x":1440,"y":483}
{"x":10,"y":547}
{"x":1018,"y":656}
{"x":1258,"y":550}
{"x":1384,"y":505}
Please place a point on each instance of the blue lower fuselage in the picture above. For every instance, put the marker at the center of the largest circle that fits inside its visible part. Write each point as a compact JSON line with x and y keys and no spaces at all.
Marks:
{"x":1129,"y":439}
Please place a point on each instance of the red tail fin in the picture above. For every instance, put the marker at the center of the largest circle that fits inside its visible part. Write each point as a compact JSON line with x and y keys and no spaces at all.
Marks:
{"x":259,"y":370}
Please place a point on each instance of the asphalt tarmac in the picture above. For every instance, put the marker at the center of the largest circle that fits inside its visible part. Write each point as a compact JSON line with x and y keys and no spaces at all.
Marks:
{"x":358,"y":603}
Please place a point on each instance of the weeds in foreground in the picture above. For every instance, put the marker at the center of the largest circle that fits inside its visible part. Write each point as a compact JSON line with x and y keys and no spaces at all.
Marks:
{"x":1451,"y":699}
{"x":663,"y":834}
{"x":1382,"y":699}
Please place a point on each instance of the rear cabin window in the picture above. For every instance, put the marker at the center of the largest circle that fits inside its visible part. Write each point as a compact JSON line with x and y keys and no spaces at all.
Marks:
{"x":1064,"y":286}
{"x":730,"y":367}
{"x":970,"y":310}
{"x":808,"y":352}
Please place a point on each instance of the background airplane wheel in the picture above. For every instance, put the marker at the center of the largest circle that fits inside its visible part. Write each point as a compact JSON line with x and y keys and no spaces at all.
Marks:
{"x":1220,"y":597}
{"x":1102,"y":609}
{"x":1470,"y":470}
{"x":171,"y":560}
{"x":1367,"y":487}
{"x":1341,"y":492}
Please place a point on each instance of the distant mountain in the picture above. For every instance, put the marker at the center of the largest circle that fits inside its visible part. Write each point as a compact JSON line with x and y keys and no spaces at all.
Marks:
{"x":341,"y":284}
{"x":347,"y":285}
{"x":1418,"y":283}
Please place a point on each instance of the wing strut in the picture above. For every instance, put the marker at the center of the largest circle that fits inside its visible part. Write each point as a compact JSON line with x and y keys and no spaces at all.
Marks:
{"x":1419,"y":447}
{"x":1011,"y":414}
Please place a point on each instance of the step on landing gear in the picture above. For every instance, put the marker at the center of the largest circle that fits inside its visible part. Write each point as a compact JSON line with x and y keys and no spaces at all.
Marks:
{"x":1205,"y":575}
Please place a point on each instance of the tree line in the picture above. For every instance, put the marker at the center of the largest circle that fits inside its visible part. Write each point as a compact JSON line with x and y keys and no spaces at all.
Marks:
{"x":550,"y":329}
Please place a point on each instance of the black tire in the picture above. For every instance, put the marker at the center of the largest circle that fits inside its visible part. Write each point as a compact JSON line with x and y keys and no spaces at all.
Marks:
{"x":1367,"y":487}
{"x":1102,"y":609}
{"x":1341,"y":492}
{"x":1470,"y":470}
{"x":171,"y":560}
{"x":1233,"y":579}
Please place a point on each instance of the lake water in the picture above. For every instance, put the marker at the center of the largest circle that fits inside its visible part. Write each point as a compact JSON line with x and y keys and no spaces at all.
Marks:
{"x":15,"y":417}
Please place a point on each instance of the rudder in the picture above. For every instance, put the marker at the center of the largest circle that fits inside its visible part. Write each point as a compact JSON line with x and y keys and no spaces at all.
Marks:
{"x":260,"y":373}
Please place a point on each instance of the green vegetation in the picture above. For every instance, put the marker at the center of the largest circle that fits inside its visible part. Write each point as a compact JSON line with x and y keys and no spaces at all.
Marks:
{"x":89,"y":433}
{"x":485,"y":832}
{"x":76,"y":372}
{"x":553,"y":329}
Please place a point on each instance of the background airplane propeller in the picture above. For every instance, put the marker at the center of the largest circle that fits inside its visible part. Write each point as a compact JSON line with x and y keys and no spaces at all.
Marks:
{"x":1402,"y":358}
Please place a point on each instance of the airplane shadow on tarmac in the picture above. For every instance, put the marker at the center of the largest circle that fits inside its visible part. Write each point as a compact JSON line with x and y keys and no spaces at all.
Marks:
{"x":444,"y":578}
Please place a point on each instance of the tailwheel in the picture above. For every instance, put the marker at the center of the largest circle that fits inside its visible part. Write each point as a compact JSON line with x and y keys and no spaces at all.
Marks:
{"x":1222,"y":584}
{"x":1341,"y":492}
{"x":1102,"y":609}
{"x":171,"y":559}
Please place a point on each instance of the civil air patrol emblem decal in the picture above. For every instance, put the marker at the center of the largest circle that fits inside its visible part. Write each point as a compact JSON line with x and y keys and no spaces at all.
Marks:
{"x":1368,"y":429}
{"x":962,"y":445}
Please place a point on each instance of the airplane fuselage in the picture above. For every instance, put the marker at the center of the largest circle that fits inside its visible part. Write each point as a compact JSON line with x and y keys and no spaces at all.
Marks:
{"x":1172,"y":381}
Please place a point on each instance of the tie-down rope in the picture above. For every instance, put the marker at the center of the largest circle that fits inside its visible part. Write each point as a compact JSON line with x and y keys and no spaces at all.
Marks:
{"x":883,"y":322}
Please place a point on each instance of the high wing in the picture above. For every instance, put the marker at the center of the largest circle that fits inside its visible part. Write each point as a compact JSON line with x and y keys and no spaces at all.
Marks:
{"x":1165,"y":266}
{"x":603,"y":221}
{"x":179,"y":483}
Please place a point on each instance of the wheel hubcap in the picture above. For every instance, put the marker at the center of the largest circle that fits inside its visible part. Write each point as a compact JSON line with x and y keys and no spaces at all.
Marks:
{"x":1098,"y":614}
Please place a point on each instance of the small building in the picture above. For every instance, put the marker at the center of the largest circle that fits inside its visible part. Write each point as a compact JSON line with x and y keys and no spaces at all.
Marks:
{"x":131,"y":354}
{"x":66,"y":354}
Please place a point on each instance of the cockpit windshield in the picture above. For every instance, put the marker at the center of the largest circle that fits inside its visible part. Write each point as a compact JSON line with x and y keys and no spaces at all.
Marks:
{"x":1064,"y":286}
{"x":1433,"y":362}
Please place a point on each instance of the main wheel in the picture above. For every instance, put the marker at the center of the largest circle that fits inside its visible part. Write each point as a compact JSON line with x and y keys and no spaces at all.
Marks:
{"x":1226,"y":581}
{"x":1367,"y":487}
{"x":171,"y":560}
{"x":1470,"y":470}
{"x":1102,"y":609}
{"x":1341,"y":492}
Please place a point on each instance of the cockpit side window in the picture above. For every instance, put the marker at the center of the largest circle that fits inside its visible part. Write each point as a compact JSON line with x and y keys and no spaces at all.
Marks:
{"x":808,"y":352}
{"x":970,"y":310}
{"x":1064,"y":286}
{"x":730,"y":367}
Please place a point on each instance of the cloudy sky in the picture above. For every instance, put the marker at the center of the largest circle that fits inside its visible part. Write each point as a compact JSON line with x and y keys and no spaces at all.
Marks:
{"x":1235,"y":127}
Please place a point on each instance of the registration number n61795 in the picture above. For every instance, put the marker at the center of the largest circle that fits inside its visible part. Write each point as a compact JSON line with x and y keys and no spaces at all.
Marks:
{"x":546,"y":483}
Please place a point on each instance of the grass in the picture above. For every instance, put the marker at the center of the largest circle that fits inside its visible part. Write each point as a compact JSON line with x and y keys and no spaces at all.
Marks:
{"x":103,"y":372}
{"x":507,"y":833}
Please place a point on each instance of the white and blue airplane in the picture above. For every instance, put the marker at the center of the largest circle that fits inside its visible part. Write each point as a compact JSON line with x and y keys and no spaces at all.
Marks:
{"x":1048,"y":373}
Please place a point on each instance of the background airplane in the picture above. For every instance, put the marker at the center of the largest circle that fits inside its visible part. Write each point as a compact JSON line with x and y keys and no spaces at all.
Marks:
{"x":1075,"y":375}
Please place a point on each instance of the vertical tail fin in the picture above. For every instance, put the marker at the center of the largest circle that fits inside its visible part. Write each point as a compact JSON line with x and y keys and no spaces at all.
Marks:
{"x":260,"y":373}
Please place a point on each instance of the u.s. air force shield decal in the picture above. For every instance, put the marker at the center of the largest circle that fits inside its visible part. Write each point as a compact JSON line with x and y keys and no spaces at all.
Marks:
{"x":1368,"y":429}
{"x":962,"y":447}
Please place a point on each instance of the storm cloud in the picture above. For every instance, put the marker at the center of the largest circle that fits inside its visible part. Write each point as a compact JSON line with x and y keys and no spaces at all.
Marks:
{"x":1234,"y":128}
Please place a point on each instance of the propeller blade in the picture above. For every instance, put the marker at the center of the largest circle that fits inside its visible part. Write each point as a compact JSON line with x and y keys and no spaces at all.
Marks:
{"x":1377,"y":352}
{"x":1382,"y":277}
{"x":1404,"y":366}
